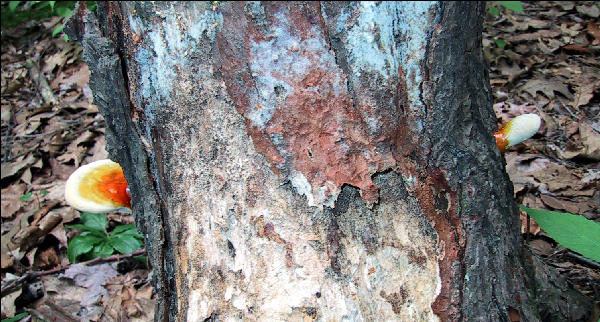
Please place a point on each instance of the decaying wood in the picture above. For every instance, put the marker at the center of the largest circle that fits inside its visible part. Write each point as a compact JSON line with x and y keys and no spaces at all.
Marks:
{"x":313,"y":160}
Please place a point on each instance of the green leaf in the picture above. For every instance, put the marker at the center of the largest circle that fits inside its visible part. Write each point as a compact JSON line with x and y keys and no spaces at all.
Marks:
{"x":127,"y":230}
{"x":12,"y":5}
{"x":122,"y":228}
{"x":494,"y":11}
{"x":20,"y":315}
{"x":52,"y":4}
{"x":26,"y":196}
{"x":103,"y":249}
{"x":515,"y":6}
{"x":91,"y":5}
{"x":125,"y":244}
{"x":94,"y":221}
{"x":58,"y":30}
{"x":501,"y":43}
{"x":41,"y":4}
{"x":92,"y":231}
{"x":82,"y":244}
{"x":44,"y":192}
{"x":572,"y":231}
{"x":63,"y":12}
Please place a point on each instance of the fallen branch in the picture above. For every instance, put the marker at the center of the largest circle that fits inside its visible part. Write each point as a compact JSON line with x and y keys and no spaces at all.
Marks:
{"x":12,"y":285}
{"x":40,"y":80}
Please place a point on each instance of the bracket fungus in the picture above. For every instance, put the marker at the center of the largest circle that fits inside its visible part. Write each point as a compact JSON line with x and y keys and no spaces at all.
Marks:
{"x":517,"y":130}
{"x":98,"y":187}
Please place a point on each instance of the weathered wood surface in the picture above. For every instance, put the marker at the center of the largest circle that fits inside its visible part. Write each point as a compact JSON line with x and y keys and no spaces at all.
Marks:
{"x":312,"y":160}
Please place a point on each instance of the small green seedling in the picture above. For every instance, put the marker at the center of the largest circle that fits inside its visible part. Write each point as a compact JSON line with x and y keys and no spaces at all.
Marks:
{"x":16,"y":317}
{"x":96,"y":242}
{"x":494,"y":11}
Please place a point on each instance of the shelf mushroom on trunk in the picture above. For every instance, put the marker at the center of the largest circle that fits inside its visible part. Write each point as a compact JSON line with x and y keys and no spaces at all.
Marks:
{"x":517,"y":130}
{"x":98,"y":187}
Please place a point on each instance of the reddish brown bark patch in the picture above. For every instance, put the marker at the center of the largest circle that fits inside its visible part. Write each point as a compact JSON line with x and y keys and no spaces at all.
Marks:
{"x":283,"y":78}
{"x":451,"y":235}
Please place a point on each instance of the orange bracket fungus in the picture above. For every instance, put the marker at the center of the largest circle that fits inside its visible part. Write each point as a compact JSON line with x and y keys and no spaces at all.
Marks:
{"x":517,"y":130}
{"x":98,"y":187}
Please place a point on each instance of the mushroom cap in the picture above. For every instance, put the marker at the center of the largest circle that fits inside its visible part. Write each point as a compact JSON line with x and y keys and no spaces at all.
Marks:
{"x":98,"y":187}
{"x":517,"y":130}
{"x":522,"y":128}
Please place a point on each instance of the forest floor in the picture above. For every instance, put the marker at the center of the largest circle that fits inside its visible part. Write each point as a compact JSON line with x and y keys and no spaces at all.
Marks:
{"x":544,"y":61}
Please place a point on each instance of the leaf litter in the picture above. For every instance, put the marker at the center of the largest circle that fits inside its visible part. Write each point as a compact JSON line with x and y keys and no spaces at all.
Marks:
{"x":50,"y":126}
{"x":549,"y":66}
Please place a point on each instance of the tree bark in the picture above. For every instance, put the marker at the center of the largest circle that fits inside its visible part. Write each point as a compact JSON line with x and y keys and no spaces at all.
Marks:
{"x":310,"y":161}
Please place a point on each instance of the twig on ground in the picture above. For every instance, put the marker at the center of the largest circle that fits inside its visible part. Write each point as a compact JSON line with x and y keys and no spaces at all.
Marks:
{"x":13,"y":284}
{"x":589,"y":262}
{"x":42,"y":83}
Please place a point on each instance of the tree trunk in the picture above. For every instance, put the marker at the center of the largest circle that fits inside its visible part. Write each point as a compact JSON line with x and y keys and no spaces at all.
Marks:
{"x":300,"y":161}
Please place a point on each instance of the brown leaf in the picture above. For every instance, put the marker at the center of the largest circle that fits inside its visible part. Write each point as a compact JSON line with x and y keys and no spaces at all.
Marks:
{"x":548,"y":87}
{"x":577,"y":48}
{"x":6,"y":259}
{"x":534,"y":36}
{"x":61,"y":171}
{"x":6,"y":112}
{"x":11,"y":202}
{"x":507,"y":110}
{"x":66,"y":295}
{"x":565,"y":5}
{"x":588,"y":145}
{"x":593,"y":29}
{"x":564,"y":205}
{"x":28,"y":236}
{"x":541,"y":247}
{"x":533,"y":226}
{"x":512,"y":71}
{"x":26,"y":176}
{"x":98,"y":151}
{"x":46,"y":258}
{"x":79,"y":78}
{"x":11,"y":168}
{"x":52,"y":61}
{"x":590,"y":11}
{"x":584,"y":91}
{"x":75,"y":151}
{"x":92,"y":278}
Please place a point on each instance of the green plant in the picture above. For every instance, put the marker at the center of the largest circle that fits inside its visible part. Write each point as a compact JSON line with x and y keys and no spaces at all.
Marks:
{"x":21,"y":11}
{"x":494,"y":11}
{"x":515,"y":6}
{"x":572,"y":231}
{"x":16,"y":317}
{"x":95,"y":241}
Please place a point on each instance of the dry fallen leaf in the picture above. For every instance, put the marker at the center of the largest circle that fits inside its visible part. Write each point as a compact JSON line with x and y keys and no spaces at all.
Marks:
{"x":588,"y":145}
{"x":92,"y":278}
{"x":11,"y":168}
{"x":590,"y":11}
{"x":11,"y":199}
{"x":534,"y":229}
{"x":563,"y":205}
{"x":548,"y":87}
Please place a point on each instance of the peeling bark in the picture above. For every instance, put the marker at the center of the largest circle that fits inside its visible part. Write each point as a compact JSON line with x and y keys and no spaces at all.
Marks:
{"x":318,"y":161}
